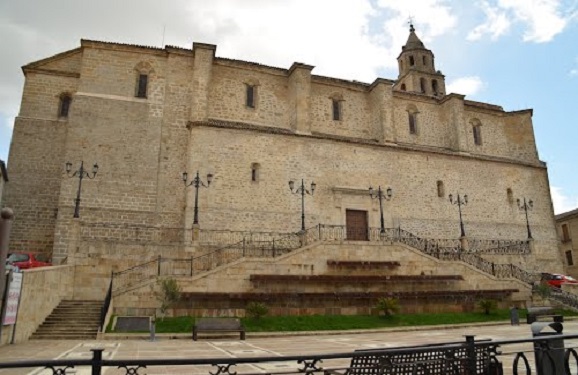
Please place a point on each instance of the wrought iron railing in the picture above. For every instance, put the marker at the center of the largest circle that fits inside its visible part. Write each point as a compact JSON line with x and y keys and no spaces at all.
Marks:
{"x":562,"y":296}
{"x":270,"y":245}
{"x":541,"y":355}
{"x":105,"y":305}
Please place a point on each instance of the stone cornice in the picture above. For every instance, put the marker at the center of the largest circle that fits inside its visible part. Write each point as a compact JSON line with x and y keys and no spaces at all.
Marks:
{"x":223,"y":124}
{"x":50,"y":72}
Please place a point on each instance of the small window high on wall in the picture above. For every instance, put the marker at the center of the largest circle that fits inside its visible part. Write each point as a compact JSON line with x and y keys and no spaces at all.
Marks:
{"x":412,"y":119}
{"x":142,"y":83}
{"x":250,"y":97}
{"x":441,"y":189}
{"x":336,"y":109}
{"x":64,"y":107}
{"x":255,"y":169}
{"x":569,"y":259}
{"x":565,"y":233}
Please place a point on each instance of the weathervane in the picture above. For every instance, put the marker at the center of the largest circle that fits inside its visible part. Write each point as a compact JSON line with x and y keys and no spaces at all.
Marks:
{"x":410,"y":22}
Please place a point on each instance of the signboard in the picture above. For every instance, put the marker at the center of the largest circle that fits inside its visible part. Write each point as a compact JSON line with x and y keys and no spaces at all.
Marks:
{"x":13,"y":298}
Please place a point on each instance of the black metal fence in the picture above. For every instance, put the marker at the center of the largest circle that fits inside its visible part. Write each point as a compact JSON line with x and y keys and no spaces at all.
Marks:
{"x":552,"y":354}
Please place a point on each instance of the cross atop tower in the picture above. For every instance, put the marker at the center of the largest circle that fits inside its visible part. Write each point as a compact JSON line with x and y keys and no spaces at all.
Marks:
{"x":410,"y":22}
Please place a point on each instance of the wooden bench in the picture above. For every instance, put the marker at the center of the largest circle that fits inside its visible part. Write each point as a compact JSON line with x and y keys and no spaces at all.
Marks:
{"x":218,"y":325}
{"x":534,"y":313}
{"x":421,"y":360}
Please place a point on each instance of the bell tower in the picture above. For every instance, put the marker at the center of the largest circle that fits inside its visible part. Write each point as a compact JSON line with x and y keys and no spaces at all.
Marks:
{"x":417,"y":73}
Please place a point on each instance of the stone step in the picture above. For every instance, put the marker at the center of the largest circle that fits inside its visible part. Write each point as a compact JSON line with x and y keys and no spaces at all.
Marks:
{"x":62,"y":337}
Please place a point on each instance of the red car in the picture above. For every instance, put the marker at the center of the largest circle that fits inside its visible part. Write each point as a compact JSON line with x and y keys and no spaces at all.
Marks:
{"x":555,"y":279}
{"x":28,"y":260}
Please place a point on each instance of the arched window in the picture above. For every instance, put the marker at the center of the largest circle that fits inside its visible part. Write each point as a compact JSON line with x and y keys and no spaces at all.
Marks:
{"x":403,"y":87}
{"x":477,"y":131}
{"x":336,"y":106}
{"x":411,"y":61}
{"x":255,"y":168}
{"x":422,"y":85}
{"x":434,"y":86}
{"x":424,"y":60}
{"x":64,"y":106}
{"x":251,"y":93}
{"x":143,"y":70}
{"x":412,"y":118}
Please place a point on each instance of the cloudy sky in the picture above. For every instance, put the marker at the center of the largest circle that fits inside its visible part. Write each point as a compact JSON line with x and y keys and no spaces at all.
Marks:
{"x":515,"y":53}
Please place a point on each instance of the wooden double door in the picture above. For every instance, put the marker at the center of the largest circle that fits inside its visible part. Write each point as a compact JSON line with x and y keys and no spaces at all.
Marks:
{"x":356,"y":224}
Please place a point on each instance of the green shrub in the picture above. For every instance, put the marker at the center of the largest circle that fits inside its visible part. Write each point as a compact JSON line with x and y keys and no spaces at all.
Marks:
{"x":169,"y":294}
{"x":256,"y":310}
{"x":388,"y":305}
{"x":488,"y":305}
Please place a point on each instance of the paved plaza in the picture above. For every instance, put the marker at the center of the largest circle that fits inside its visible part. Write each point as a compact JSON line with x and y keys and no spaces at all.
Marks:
{"x":257,"y":345}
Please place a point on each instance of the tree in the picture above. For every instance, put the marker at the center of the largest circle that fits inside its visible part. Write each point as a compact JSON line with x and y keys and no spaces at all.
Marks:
{"x":488,"y":305}
{"x":169,"y":294}
{"x":256,"y":309}
{"x":388,"y":305}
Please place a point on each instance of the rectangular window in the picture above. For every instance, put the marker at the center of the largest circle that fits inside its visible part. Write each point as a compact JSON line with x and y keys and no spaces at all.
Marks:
{"x":412,"y":124}
{"x":478,"y":135}
{"x":336,"y":110}
{"x":141,"y":91}
{"x":250,"y":96}
{"x":565,"y":233}
{"x":569,"y":259}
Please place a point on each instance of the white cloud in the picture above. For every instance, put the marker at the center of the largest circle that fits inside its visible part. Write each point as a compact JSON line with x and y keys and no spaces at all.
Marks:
{"x":497,"y":23}
{"x":562,"y":202}
{"x":465,"y":85}
{"x":543,"y":19}
{"x":431,"y":18}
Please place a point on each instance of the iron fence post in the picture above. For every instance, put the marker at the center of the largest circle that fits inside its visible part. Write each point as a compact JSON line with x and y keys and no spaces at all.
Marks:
{"x":96,"y":361}
{"x":191,"y":265}
{"x":159,"y":266}
{"x":471,"y":355}
{"x":320,"y":236}
{"x":493,"y":269}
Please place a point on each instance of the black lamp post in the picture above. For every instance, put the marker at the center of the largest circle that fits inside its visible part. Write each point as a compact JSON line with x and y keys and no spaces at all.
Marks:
{"x":526,"y":206}
{"x":301,"y":190}
{"x":460,"y":201}
{"x":80,"y":173}
{"x":381,"y":196}
{"x":196,"y":182}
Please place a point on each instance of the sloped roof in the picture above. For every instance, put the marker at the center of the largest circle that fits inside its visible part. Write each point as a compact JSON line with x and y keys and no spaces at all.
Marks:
{"x":566,"y":215}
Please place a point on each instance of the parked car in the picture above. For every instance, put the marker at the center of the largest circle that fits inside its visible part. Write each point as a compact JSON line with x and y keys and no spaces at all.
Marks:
{"x":556,"y":279}
{"x":28,"y":260}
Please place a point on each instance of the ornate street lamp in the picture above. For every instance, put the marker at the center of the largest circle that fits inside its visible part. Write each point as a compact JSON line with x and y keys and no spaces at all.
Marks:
{"x":380,"y":195}
{"x":196,"y":182}
{"x":460,"y":201}
{"x":526,"y":206}
{"x":80,"y":173}
{"x":301,"y":190}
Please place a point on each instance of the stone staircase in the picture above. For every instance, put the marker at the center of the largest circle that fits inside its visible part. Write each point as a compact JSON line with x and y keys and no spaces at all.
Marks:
{"x":71,"y":320}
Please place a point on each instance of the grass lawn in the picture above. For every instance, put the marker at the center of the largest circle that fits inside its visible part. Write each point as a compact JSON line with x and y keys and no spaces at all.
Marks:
{"x":185,"y":324}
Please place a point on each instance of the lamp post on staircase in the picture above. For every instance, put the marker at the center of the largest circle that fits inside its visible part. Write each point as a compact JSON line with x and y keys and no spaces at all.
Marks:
{"x":527,"y":205}
{"x":460,"y":201}
{"x":302,"y":190}
{"x":381,"y":196}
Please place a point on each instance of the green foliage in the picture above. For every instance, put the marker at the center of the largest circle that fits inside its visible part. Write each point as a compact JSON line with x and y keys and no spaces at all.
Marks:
{"x":388,"y":305}
{"x":544,"y":290}
{"x":256,"y":310}
{"x":169,"y":294}
{"x":488,"y":305}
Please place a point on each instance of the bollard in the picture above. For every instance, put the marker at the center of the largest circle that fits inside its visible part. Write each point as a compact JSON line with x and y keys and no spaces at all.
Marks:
{"x":514,"y":316}
{"x":152,"y":329}
{"x":549,"y":354}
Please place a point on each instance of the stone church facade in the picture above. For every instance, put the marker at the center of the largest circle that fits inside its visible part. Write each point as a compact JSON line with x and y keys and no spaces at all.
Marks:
{"x":145,"y":115}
